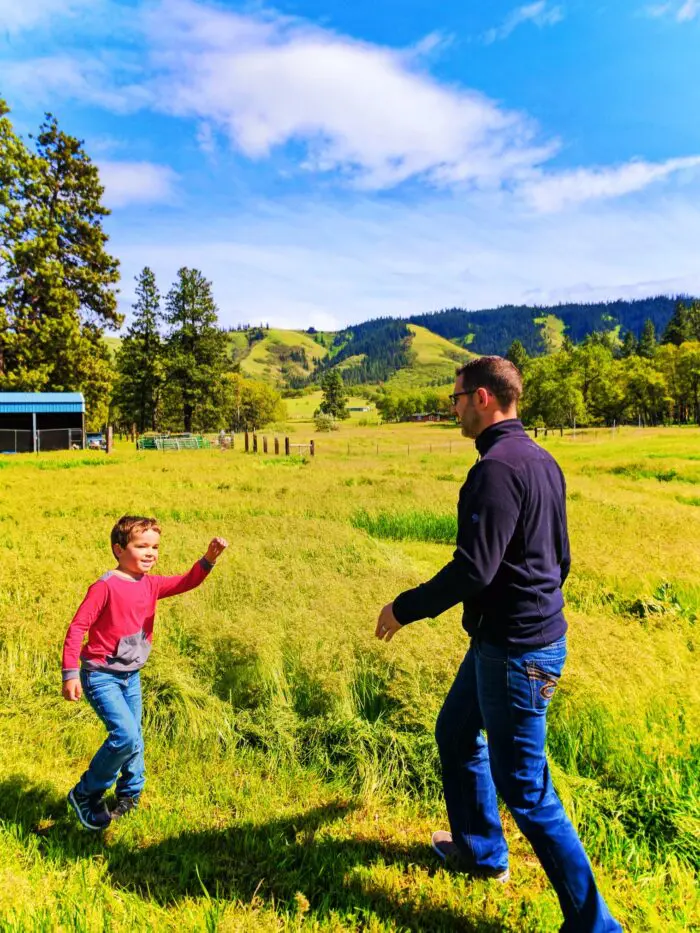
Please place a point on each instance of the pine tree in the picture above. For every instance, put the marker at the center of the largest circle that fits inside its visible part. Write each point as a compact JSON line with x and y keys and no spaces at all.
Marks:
{"x":678,"y":328}
{"x":196,"y":347}
{"x":647,"y":342}
{"x":517,"y":354}
{"x":56,"y":277}
{"x":333,"y":395}
{"x":140,"y":361}
{"x":629,"y":345}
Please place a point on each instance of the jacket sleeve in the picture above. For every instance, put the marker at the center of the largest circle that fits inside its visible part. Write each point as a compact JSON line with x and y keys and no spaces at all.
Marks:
{"x":489,"y":509}
{"x":88,"y":612}
{"x":565,"y":562}
{"x":174,"y":586}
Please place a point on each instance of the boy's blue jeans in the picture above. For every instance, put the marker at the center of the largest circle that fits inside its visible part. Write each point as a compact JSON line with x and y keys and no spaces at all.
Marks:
{"x":116,"y":698}
{"x":507,"y":692}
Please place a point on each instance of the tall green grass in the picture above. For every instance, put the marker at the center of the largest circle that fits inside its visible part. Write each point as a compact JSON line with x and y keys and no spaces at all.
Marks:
{"x":293,"y":777}
{"x":414,"y":525}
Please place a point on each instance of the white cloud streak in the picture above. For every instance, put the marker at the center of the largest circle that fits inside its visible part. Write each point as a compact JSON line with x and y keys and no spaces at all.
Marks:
{"x":540,"y":14}
{"x":303,"y":263}
{"x":17,"y":16}
{"x":555,"y":192}
{"x":128,"y":183}
{"x":368,"y":112}
{"x":682,"y":12}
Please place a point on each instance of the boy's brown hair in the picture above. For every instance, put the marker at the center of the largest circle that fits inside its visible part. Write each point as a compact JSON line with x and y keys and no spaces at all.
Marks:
{"x":128,"y":526}
{"x":499,"y":376}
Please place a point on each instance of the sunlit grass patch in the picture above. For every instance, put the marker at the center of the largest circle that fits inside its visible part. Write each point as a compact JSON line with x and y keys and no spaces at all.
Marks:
{"x":407,"y":526}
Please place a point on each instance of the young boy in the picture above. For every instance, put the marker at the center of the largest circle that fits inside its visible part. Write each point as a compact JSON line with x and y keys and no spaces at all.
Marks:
{"x":117,"y":614}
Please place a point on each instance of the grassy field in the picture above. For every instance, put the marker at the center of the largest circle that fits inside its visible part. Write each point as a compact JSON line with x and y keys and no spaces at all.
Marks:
{"x":292,"y":772}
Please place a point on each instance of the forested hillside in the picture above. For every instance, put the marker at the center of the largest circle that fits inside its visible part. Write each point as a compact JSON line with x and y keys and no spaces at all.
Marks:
{"x":493,"y":330}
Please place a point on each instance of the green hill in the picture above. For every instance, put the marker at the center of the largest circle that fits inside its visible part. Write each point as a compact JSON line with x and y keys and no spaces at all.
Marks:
{"x":279,"y":356}
{"x":432,"y":360}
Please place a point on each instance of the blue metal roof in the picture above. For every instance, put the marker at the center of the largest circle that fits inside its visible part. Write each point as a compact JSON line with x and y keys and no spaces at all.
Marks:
{"x":41,"y":402}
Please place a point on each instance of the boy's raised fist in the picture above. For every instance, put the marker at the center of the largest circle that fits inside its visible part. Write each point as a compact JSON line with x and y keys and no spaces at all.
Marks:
{"x":217,"y":546}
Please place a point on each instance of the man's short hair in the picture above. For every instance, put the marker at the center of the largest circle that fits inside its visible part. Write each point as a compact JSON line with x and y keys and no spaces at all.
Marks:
{"x":130,"y":525}
{"x":497,"y":375}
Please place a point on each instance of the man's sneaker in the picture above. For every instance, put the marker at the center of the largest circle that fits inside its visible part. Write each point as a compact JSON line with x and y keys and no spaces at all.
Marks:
{"x":91,"y":810}
{"x":124,"y":805}
{"x":448,"y":850}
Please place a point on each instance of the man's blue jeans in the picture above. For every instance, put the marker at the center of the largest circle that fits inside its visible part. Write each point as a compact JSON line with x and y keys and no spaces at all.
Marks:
{"x":507,"y":692}
{"x":116,"y":698}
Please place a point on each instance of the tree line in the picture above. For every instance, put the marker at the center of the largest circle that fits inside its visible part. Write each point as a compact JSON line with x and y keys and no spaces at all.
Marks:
{"x":174,"y":369}
{"x":603,"y":380}
{"x":58,"y":297}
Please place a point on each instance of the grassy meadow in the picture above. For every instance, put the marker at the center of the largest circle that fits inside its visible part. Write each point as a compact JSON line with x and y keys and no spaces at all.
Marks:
{"x":292,"y":772}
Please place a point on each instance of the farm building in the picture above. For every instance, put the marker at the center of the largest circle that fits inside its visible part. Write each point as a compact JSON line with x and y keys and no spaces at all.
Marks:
{"x":34,"y":421}
{"x":432,"y":416}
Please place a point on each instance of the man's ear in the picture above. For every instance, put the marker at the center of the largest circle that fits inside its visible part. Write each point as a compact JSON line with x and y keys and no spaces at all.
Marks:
{"x":483,"y":396}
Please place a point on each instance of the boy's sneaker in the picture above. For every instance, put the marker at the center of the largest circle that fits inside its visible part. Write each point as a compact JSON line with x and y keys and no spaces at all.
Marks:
{"x":443,"y":844}
{"x":124,"y":805}
{"x":91,"y":810}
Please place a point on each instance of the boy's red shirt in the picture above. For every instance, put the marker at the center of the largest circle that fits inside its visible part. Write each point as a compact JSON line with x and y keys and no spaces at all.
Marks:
{"x":118,"y":616}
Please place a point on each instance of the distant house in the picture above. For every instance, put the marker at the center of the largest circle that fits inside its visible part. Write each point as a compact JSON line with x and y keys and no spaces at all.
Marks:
{"x":365,"y":408}
{"x":432,"y":416}
{"x":34,"y":421}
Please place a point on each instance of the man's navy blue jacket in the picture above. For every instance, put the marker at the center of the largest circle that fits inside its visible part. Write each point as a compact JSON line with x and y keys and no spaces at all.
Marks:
{"x":512,"y":553}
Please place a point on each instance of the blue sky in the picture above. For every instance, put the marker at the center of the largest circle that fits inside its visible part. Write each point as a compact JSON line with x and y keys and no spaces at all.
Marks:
{"x":323,"y":162}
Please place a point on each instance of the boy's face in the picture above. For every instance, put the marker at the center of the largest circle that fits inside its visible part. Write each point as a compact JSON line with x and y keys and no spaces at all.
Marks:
{"x":140,"y":553}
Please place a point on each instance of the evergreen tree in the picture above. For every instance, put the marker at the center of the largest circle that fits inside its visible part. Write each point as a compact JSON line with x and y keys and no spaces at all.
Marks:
{"x":678,"y":328}
{"x":647,"y":342}
{"x":517,"y":354}
{"x":629,"y":345}
{"x":333,"y":395}
{"x":196,"y":347}
{"x":56,"y":277}
{"x":140,"y":362}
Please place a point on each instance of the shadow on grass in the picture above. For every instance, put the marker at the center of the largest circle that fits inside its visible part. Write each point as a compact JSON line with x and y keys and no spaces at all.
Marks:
{"x":264,"y":863}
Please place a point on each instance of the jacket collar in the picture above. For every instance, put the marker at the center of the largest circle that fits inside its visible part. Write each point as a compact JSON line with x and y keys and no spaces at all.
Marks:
{"x":496,"y":432}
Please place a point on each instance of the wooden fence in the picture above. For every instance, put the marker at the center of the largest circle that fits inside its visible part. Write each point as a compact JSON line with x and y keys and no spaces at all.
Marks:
{"x":251,"y":442}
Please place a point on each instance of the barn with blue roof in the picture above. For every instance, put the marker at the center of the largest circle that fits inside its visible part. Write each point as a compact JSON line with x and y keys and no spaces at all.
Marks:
{"x":35,"y":421}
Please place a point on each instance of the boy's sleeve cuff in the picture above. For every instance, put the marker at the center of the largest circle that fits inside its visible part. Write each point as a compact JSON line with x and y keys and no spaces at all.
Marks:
{"x":207,"y":564}
{"x":71,"y":674}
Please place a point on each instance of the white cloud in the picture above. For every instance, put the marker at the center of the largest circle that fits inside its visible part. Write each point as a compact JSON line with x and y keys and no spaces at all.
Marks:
{"x":682,"y":12}
{"x":366,"y":111}
{"x":550,"y":193}
{"x":87,"y":79}
{"x":302,"y":263}
{"x":539,"y":13}
{"x":136,"y":183}
{"x":19,"y":15}
{"x":688,"y":11}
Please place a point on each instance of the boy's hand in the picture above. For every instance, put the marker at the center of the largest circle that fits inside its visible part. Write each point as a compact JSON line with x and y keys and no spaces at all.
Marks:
{"x":217,"y":546}
{"x":72,"y":689}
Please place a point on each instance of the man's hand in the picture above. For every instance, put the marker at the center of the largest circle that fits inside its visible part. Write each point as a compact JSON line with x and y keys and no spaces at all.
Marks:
{"x":387,"y":625}
{"x":72,"y":689}
{"x":217,"y":546}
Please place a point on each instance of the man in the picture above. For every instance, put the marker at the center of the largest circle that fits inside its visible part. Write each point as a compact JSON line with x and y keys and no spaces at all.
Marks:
{"x":511,"y":561}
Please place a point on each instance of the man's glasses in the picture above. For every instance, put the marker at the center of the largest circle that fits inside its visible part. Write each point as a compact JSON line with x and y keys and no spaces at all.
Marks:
{"x":456,"y":395}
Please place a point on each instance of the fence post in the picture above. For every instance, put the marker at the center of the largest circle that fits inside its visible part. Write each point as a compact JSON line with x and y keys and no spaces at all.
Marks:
{"x":561,"y":430}
{"x":286,"y":446}
{"x":312,"y":448}
{"x":545,"y":431}
{"x":247,"y":442}
{"x":264,"y":445}
{"x":277,"y":445}
{"x":110,"y":439}
{"x":535,"y":432}
{"x":255,"y":443}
